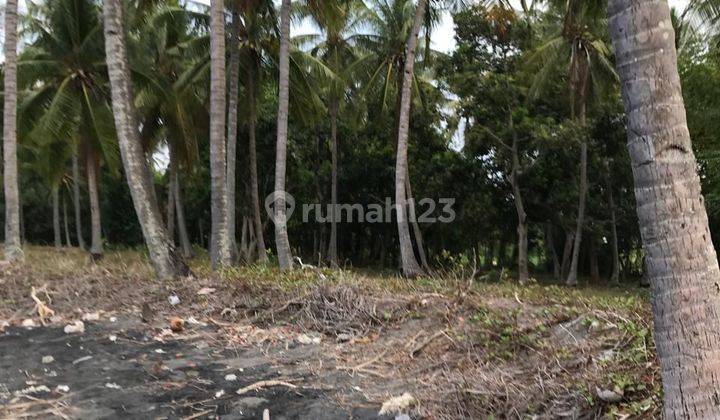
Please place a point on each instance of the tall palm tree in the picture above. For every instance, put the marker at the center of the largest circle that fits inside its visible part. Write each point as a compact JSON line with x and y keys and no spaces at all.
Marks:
{"x":580,"y":43}
{"x":282,"y":242}
{"x":340,"y":22}
{"x":232,"y":121}
{"x":170,"y":69}
{"x":65,"y":68}
{"x":13,"y":246}
{"x":681,"y":261}
{"x":221,"y":246}
{"x":167,"y":262}
{"x":410,"y":265}
{"x":76,"y":201}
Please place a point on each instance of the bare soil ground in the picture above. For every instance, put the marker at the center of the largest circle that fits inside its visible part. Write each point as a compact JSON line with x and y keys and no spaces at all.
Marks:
{"x":314,"y":344}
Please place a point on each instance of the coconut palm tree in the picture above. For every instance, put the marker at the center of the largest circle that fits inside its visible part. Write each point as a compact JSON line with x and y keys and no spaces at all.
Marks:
{"x":340,"y":22}
{"x":221,"y":245}
{"x":579,"y":43}
{"x":282,"y":242}
{"x":167,"y":262}
{"x":170,"y":68}
{"x":13,"y":246}
{"x":65,"y":67}
{"x":681,"y":261}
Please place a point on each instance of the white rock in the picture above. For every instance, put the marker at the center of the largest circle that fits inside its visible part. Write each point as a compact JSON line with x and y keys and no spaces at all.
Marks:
{"x":174,"y":300}
{"x":220,"y":393}
{"x":78,"y":327}
{"x":29,"y":323}
{"x":113,"y":319}
{"x":113,"y":338}
{"x":231,"y":377}
{"x":62,"y":389}
{"x":92,"y":316}
{"x":304,"y":339}
{"x":112,"y":385}
{"x":48,"y":359}
{"x":159,"y":351}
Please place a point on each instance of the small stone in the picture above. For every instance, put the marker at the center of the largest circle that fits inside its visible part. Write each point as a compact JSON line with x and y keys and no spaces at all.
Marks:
{"x":231,"y":377}
{"x":113,"y":338}
{"x":220,"y":393}
{"x":78,"y":327}
{"x":174,"y":300}
{"x":29,"y":323}
{"x":113,"y":319}
{"x":610,"y":396}
{"x":344,"y":338}
{"x":304,"y":339}
{"x":48,"y":359}
{"x":93,"y":316}
{"x":112,"y":385}
{"x":62,"y":389}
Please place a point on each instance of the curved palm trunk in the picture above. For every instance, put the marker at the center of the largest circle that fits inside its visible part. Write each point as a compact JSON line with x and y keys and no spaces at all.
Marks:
{"x":681,"y":262}
{"x":167,"y":262}
{"x":334,"y":145}
{"x":183,"y":235}
{"x":232,"y":127}
{"x":254,"y":193}
{"x":410,"y":266}
{"x":96,"y":246}
{"x":76,"y":201}
{"x":522,"y":256}
{"x":57,"y":234}
{"x":220,"y":244}
{"x":282,"y":242}
{"x":13,"y":245}
{"x":417,"y":233}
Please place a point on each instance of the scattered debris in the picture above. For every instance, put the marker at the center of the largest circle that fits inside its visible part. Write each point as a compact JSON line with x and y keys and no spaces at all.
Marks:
{"x":306,"y":339}
{"x":92,"y":316}
{"x":177,"y":324}
{"x":62,"y":389}
{"x":41,"y":389}
{"x":264,"y":384}
{"x":193,"y":321}
{"x":113,"y":319}
{"x":266,"y":414}
{"x":82,"y":359}
{"x":78,"y":327}
{"x":29,"y":323}
{"x":205,"y":291}
{"x":610,"y":396}
{"x":48,"y":359}
{"x":159,"y":351}
{"x":43,"y":310}
{"x":344,"y":337}
{"x":396,"y":405}
{"x":231,"y":377}
{"x":220,"y":393}
{"x":174,"y":300}
{"x":112,"y":385}
{"x":112,"y":337}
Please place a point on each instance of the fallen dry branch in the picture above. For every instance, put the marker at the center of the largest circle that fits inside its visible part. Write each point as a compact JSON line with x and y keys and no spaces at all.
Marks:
{"x":43,"y":310}
{"x":425,"y":343}
{"x":264,"y":384}
{"x":362,"y":366}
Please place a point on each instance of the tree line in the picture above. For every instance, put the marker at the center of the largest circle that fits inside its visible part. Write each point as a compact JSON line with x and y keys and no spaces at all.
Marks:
{"x":543,"y":95}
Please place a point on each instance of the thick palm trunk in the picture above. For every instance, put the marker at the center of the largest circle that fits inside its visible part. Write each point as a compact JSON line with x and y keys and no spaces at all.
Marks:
{"x":254,"y":187}
{"x":66,"y":223}
{"x":167,"y":262}
{"x":282,"y":242}
{"x":232,"y":126}
{"x":76,"y":201}
{"x":57,"y":234}
{"x":410,"y":266}
{"x":681,"y":262}
{"x":220,"y":244}
{"x":333,"y":248}
{"x":13,"y":245}
{"x":96,"y":246}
